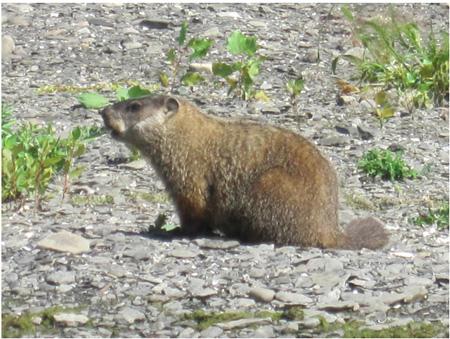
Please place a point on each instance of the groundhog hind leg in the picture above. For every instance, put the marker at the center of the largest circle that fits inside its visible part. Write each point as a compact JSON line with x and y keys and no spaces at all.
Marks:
{"x":272,"y":206}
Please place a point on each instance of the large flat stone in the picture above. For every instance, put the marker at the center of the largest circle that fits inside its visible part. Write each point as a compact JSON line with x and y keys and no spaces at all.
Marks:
{"x":65,"y":242}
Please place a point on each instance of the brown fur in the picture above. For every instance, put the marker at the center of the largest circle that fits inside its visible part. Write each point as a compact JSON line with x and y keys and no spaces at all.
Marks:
{"x":251,"y":181}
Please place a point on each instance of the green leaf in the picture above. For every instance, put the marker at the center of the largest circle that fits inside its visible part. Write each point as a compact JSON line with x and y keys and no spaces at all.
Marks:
{"x":171,"y":55}
{"x":191,"y":79}
{"x":75,"y":173}
{"x":295,"y":86}
{"x":6,"y":155}
{"x":137,"y":92}
{"x":380,"y":98}
{"x":90,"y":133}
{"x":200,"y":47}
{"x":51,"y":161}
{"x":75,"y":133}
{"x":250,"y":46}
{"x":183,"y":31}
{"x":236,"y":42}
{"x":262,"y":96}
{"x":164,"y":79}
{"x":222,"y":69}
{"x":237,"y":66}
{"x":122,"y":94}
{"x":411,"y":78}
{"x":169,"y":227}
{"x":427,"y":71}
{"x":387,"y":112}
{"x":253,"y":66}
{"x":80,"y":150}
{"x":92,"y":100}
{"x":347,"y":12}
{"x":232,"y":84}
{"x":247,"y":80}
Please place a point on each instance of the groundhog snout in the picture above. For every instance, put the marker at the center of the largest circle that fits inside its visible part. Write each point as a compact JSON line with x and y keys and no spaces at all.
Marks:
{"x":113,"y":121}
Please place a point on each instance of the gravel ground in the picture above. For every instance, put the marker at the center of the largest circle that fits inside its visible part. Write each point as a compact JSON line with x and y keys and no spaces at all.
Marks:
{"x":127,"y":282}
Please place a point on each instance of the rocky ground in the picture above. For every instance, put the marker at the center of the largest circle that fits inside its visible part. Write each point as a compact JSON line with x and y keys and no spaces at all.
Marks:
{"x":93,"y":256}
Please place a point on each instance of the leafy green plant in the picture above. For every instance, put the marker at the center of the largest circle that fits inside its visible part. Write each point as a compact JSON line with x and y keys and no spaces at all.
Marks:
{"x":383,"y":109}
{"x":396,"y":55}
{"x":97,"y":101}
{"x":73,"y":147}
{"x":247,"y":69}
{"x":199,"y":49}
{"x":376,"y":163}
{"x":295,"y":88}
{"x":31,"y":155}
{"x":439,"y":216}
{"x":161,"y":223}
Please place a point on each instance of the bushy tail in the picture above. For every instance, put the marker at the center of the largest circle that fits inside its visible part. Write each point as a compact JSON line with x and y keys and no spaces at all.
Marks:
{"x":365,"y":232}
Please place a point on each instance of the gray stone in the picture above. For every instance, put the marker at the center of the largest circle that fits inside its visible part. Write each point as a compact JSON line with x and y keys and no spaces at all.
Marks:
{"x":8,"y":46}
{"x":22,"y":291}
{"x":18,"y":21}
{"x":345,"y":100}
{"x":216,"y":244}
{"x":339,"y":306}
{"x":70,"y":319}
{"x":132,"y":45}
{"x":310,"y":322}
{"x":212,"y":33}
{"x":257,"y":272}
{"x":293,"y":298}
{"x":203,"y":292}
{"x":155,"y":24}
{"x":264,"y":332}
{"x":136,"y":165}
{"x":100,"y":22}
{"x":183,"y":254}
{"x":334,"y":140}
{"x":138,"y":253}
{"x":190,"y":333}
{"x":368,"y":133}
{"x":61,"y":277}
{"x":262,"y":294}
{"x":242,"y":303}
{"x":211,"y":332}
{"x":65,"y":242}
{"x":242,"y":323}
{"x":11,"y":277}
{"x":129,"y":316}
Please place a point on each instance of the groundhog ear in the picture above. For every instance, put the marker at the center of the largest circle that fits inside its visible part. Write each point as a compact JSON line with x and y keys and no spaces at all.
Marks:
{"x":171,"y":105}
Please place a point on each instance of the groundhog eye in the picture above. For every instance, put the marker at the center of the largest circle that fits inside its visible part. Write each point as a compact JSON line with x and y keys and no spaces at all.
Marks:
{"x":134,"y":107}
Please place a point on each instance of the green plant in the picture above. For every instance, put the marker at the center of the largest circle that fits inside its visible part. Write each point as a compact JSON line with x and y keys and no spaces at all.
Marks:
{"x":17,"y":326}
{"x":31,"y":155}
{"x":205,"y":320}
{"x":383,"y":109}
{"x":396,"y":55}
{"x":160,"y":223}
{"x":73,"y":147}
{"x":376,"y":163}
{"x":96,"y":100}
{"x":439,"y":216}
{"x":295,"y":88}
{"x":247,"y":70}
{"x":199,"y":49}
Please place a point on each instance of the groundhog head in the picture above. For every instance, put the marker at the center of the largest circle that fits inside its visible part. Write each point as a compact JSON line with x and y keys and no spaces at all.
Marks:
{"x":133,"y":120}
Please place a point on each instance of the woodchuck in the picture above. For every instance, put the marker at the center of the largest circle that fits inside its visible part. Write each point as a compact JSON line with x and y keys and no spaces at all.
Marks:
{"x":254,"y":182}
